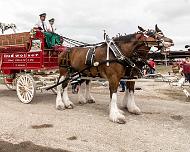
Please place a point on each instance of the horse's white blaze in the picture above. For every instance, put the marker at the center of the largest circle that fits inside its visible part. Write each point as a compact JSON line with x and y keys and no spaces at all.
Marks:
{"x":167,"y":44}
{"x":59,"y":102}
{"x":115,"y":114}
{"x":132,"y":107}
{"x":88,"y":94}
{"x":81,"y":97}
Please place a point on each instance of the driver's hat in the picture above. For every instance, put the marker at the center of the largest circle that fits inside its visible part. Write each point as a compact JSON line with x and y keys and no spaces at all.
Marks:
{"x":43,"y":14}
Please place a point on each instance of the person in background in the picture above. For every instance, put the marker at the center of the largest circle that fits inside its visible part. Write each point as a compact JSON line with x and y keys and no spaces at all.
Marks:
{"x":186,"y":69}
{"x":145,"y":70}
{"x":123,"y":86}
{"x":51,"y":26}
{"x":75,"y":83}
{"x":187,"y":60}
{"x":175,"y":67}
{"x":41,"y":25}
{"x":152,"y":66}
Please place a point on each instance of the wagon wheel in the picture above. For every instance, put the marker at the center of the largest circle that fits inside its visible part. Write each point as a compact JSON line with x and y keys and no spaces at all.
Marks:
{"x":10,"y":85}
{"x":25,"y":88}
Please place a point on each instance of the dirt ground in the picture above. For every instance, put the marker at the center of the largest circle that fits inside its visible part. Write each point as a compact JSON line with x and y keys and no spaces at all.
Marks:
{"x":164,"y":124}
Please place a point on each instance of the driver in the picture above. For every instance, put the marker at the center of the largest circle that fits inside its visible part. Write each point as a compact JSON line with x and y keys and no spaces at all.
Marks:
{"x":51,"y":27}
{"x":41,"y":25}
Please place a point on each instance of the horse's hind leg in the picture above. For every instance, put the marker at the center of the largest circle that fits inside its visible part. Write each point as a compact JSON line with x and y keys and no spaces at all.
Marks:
{"x":89,"y":97}
{"x":115,"y":113}
{"x":66,"y":100}
{"x":81,"y":98}
{"x":129,"y":101}
{"x":59,"y":102}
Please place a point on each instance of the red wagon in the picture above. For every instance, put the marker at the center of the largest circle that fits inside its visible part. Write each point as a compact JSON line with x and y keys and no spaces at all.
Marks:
{"x":26,"y":63}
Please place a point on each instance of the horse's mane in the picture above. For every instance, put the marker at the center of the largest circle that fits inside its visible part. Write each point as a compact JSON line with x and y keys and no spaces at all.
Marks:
{"x":125,"y":38}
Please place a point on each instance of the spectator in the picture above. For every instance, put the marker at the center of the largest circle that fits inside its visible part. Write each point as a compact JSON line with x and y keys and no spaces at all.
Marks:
{"x":175,"y":68}
{"x":186,"y":69}
{"x":123,"y":86}
{"x":145,"y":69}
{"x":152,"y":66}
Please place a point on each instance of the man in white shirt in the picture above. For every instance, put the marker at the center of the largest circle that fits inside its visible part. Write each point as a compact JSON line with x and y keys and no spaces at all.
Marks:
{"x":51,"y":38}
{"x":41,"y":25}
{"x":50,"y":26}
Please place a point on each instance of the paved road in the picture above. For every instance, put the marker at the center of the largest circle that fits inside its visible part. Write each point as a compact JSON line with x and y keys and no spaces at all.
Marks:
{"x":164,"y":124}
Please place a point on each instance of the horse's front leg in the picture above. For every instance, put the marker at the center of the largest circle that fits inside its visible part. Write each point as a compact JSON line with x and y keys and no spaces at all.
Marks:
{"x":115,"y":114}
{"x":129,"y":101}
{"x":59,"y":102}
{"x":89,"y":97}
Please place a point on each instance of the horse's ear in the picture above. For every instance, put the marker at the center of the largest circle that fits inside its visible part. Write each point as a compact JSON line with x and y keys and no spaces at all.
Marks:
{"x":141,"y":29}
{"x":157,"y":29}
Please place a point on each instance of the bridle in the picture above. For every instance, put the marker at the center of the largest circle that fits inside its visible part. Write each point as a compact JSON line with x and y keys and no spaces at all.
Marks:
{"x":136,"y":57}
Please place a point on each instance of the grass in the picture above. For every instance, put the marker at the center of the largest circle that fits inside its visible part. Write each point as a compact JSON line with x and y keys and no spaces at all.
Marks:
{"x":163,"y":69}
{"x":1,"y":80}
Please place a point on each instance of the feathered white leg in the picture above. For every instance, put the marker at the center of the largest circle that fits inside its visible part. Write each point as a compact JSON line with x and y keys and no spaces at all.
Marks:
{"x":115,"y":114}
{"x":81,"y":98}
{"x":131,"y":106}
{"x":59,"y":103}
{"x":66,"y":100}
{"x":89,"y":97}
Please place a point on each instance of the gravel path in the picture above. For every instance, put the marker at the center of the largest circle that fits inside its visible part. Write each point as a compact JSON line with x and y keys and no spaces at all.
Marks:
{"x":164,"y":124}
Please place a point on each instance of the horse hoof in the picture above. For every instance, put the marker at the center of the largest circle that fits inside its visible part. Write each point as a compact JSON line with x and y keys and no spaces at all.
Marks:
{"x":91,"y":101}
{"x":82,"y":102}
{"x":117,"y":118}
{"x":135,"y":111}
{"x":121,"y":121}
{"x":70,"y":106}
{"x":60,"y":107}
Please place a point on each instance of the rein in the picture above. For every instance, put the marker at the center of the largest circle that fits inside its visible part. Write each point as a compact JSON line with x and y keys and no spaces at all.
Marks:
{"x":79,"y":43}
{"x":125,"y":61}
{"x":79,"y":73}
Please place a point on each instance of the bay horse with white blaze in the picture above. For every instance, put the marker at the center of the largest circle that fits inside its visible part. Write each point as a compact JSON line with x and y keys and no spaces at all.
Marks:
{"x":142,"y":52}
{"x":74,"y":58}
{"x":139,"y":57}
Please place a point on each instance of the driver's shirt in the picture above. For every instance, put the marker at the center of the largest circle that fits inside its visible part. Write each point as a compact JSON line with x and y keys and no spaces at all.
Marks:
{"x":42,"y":26}
{"x":51,"y":28}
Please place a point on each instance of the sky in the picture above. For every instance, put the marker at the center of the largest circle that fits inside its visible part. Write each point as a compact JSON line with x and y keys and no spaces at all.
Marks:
{"x":85,"y":20}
